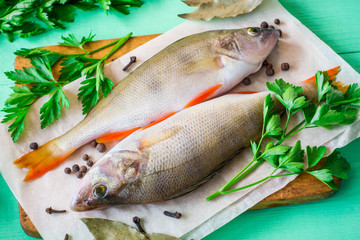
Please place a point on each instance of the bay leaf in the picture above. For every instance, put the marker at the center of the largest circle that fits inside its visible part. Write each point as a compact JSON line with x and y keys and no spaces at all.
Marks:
{"x":104,"y":229}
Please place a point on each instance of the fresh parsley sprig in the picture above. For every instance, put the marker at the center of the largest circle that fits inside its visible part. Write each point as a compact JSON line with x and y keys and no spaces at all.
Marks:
{"x":333,"y":108}
{"x":25,"y":18}
{"x":42,"y":82}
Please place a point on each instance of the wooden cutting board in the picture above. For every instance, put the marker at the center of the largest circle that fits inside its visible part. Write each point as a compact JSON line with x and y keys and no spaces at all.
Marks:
{"x":304,"y":188}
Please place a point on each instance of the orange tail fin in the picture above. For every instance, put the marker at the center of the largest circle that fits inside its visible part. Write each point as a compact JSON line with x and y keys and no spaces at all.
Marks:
{"x":331,"y":72}
{"x":42,"y":160}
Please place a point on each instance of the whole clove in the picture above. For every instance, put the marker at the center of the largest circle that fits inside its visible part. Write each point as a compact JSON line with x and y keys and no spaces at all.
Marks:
{"x":174,"y":215}
{"x":66,"y":237}
{"x":132,"y":60}
{"x":49,"y":210}
{"x":137,"y":220}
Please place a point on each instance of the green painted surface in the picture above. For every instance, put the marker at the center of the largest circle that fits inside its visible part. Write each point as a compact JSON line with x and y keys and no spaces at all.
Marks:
{"x":337,"y":23}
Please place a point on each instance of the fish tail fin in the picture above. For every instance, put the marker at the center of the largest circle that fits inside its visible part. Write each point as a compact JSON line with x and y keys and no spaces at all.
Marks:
{"x":331,"y":73}
{"x":42,"y":160}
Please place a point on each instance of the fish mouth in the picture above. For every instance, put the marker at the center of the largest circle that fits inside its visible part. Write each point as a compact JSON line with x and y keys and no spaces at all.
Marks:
{"x":82,"y":201}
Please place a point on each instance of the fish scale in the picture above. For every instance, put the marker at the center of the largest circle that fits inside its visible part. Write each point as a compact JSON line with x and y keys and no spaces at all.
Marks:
{"x":176,"y":155}
{"x":187,"y":72}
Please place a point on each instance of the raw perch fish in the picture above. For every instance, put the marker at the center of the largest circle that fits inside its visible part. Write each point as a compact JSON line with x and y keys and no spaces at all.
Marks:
{"x":174,"y":156}
{"x":189,"y":71}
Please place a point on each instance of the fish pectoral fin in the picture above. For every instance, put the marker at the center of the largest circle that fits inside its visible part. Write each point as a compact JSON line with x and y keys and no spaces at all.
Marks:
{"x":245,"y":92}
{"x":107,"y":137}
{"x":149,"y":141}
{"x":205,"y":64}
{"x":203,"y":96}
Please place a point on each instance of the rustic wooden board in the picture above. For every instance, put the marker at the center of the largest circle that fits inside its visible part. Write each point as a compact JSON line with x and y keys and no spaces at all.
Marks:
{"x":304,"y":188}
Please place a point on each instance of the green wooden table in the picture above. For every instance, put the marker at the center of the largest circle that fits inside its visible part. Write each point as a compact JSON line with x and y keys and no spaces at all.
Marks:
{"x":336,"y":22}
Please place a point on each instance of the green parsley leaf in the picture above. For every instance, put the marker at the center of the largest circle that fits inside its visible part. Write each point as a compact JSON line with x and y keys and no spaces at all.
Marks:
{"x":280,"y":86}
{"x":277,"y":150}
{"x":72,"y":41}
{"x":253,"y":147}
{"x":337,"y":165}
{"x":323,"y":85}
{"x":325,"y":176}
{"x":314,"y":155}
{"x":51,"y":110}
{"x":271,"y":159}
{"x":273,"y":128}
{"x":52,"y":56}
{"x":292,"y":160}
{"x":268,"y":109}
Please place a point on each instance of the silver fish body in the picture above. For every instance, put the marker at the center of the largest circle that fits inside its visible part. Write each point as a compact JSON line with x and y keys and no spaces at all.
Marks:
{"x":173,"y":157}
{"x":189,"y":71}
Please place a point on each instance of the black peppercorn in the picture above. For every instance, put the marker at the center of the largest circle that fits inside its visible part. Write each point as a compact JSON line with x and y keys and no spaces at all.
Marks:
{"x":285,"y":66}
{"x":85,"y":157}
{"x":79,"y":174}
{"x":280,"y":32}
{"x":246,"y":81}
{"x":93,"y":143}
{"x":89,"y":163}
{"x":33,"y":145}
{"x":265,"y":63}
{"x":271,"y":26}
{"x":83,"y":169}
{"x":101,"y":147}
{"x":277,"y":21}
{"x":269,"y":65}
{"x":264,"y":25}
{"x":270,"y":72}
{"x":67,"y":170}
{"x":75,"y":168}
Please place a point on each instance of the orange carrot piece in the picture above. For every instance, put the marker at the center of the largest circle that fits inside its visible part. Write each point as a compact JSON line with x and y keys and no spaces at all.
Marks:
{"x":160,"y":120}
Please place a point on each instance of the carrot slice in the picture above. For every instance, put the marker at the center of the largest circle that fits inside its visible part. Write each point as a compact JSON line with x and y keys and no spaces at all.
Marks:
{"x":203,"y":96}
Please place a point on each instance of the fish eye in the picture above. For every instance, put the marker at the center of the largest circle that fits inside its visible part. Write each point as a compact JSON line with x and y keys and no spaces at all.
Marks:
{"x":253,"y":31}
{"x":100,"y":191}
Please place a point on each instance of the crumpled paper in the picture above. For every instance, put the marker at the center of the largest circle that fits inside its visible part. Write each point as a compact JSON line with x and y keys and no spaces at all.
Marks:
{"x":298,"y":46}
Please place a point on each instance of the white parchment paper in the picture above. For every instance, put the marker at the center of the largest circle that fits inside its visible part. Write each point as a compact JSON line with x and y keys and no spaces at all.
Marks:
{"x":299,"y":47}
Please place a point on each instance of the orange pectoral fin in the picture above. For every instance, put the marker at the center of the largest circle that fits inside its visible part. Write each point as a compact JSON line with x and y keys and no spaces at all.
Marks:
{"x":331,"y":72}
{"x":42,"y":160}
{"x":160,"y":120}
{"x":245,"y":92}
{"x":116,"y":135}
{"x":203,"y":96}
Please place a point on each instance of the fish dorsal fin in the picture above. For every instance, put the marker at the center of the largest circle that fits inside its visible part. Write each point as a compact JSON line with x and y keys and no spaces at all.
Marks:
{"x":206,"y":64}
{"x":153,"y":139}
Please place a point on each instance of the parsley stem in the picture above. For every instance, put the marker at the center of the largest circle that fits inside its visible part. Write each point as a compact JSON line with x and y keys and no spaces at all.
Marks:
{"x":249,"y":185}
{"x":296,"y":127}
{"x":119,"y":43}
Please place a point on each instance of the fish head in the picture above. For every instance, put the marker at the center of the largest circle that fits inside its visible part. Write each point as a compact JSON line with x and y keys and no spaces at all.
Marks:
{"x":108,"y":180}
{"x":251,"y":45}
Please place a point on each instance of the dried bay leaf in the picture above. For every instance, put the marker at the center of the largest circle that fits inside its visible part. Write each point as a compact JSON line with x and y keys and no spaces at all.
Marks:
{"x":209,"y":9}
{"x":104,"y":229}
